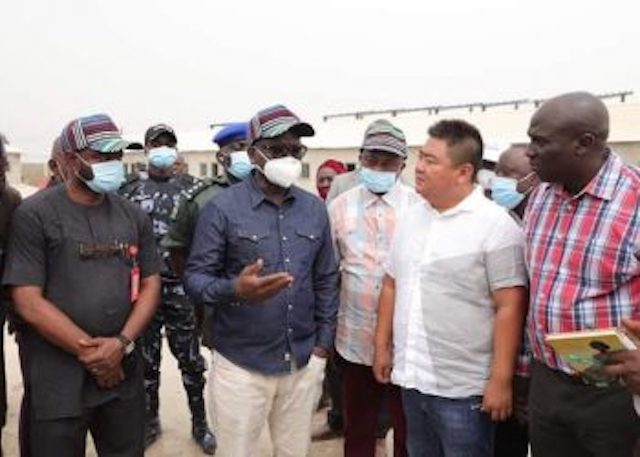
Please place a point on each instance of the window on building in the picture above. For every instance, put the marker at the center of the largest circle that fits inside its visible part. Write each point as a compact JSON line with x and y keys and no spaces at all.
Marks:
{"x":351,"y":166}
{"x":305,"y":170}
{"x":203,"y":169}
{"x":214,"y":169}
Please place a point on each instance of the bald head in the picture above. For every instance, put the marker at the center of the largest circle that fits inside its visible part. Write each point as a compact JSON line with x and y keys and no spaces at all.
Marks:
{"x":514,"y":163}
{"x":568,"y":139}
{"x":574,"y":114}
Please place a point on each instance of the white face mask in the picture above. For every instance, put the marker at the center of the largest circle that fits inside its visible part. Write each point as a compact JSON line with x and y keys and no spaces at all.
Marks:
{"x":282,"y":172}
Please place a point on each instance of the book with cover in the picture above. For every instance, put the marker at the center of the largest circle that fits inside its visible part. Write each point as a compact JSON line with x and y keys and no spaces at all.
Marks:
{"x":579,"y":349}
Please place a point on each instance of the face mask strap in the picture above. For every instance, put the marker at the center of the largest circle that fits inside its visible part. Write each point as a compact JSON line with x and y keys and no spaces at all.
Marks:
{"x":526,"y":179}
{"x":264,"y":156}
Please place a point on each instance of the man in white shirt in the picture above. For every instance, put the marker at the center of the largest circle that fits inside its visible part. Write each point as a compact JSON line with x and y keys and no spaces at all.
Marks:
{"x":452,"y":303}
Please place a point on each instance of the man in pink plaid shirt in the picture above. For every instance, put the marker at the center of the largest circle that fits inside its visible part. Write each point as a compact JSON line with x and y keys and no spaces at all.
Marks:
{"x":363,"y":223}
{"x":583,"y":236}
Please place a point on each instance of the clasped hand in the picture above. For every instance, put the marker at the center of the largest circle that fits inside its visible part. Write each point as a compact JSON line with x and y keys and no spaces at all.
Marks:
{"x":102,"y":357}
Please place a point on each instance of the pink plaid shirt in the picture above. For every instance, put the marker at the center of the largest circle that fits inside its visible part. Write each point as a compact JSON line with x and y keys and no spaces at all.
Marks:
{"x":582,"y":256}
{"x":363,"y":225}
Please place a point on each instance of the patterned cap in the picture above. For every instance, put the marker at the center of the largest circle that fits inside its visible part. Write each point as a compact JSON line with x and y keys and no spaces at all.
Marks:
{"x":155,"y":131}
{"x":382,"y":135}
{"x":233,"y":131}
{"x":275,"y":121}
{"x":97,"y":132}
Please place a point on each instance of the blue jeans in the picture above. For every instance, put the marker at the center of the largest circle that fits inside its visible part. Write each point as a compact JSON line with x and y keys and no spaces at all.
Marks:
{"x":444,"y":427}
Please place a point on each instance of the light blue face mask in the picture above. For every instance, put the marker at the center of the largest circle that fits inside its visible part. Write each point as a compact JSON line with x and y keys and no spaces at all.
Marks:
{"x":241,"y":165}
{"x":162,"y":157}
{"x":378,"y":182}
{"x":504,"y":191}
{"x":107,"y":176}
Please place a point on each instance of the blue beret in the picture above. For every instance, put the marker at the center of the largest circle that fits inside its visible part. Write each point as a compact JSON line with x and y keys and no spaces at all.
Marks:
{"x":231,"y":132}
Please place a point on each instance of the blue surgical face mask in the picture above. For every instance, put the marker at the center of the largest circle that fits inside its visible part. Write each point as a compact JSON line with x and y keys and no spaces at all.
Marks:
{"x":241,"y":165}
{"x":162,"y":157}
{"x":378,"y":182}
{"x":107,"y":176}
{"x":505,"y":193}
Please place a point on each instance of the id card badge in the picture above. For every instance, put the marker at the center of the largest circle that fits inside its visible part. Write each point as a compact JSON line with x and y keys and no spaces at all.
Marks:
{"x":135,"y":273}
{"x":135,"y":283}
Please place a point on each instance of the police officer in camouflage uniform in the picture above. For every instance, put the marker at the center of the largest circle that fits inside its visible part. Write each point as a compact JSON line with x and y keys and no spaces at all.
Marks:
{"x":232,"y":156}
{"x":158,"y":192}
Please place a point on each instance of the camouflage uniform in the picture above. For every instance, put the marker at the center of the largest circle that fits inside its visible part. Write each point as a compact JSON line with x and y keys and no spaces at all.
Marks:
{"x":181,"y":232}
{"x":159,"y":197}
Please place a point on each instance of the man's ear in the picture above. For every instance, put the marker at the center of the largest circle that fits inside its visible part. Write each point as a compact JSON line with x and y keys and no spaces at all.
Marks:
{"x":402,"y":167}
{"x":255,"y":157}
{"x":465,"y":172}
{"x":584,"y":143}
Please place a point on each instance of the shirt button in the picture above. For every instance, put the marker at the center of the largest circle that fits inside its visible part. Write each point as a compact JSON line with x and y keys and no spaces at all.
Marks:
{"x":281,"y":216}
{"x":284,"y":238}
{"x":287,"y":356}
{"x":290,"y":307}
{"x":290,"y":330}
{"x":287,"y":260}
{"x":254,"y":237}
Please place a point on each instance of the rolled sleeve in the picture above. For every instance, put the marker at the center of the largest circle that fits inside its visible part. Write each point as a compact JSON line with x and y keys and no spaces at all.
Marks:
{"x":204,"y":278}
{"x":504,"y":256}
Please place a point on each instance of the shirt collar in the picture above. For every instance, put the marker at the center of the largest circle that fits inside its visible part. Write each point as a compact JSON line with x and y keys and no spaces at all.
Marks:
{"x":391,"y":198}
{"x":603,"y":184}
{"x":468,"y":204}
{"x":257,"y":196}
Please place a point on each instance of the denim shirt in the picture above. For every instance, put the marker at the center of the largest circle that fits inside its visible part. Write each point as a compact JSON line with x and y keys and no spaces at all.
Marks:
{"x":238,"y":226}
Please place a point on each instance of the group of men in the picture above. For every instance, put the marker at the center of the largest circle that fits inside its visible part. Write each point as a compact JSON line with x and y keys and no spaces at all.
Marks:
{"x":415,"y":300}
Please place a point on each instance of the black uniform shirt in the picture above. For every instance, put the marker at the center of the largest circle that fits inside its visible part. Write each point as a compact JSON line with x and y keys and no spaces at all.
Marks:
{"x":82,"y":257}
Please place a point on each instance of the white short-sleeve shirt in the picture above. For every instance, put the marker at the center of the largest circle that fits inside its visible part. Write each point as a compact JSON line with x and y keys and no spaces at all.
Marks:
{"x":445,"y":266}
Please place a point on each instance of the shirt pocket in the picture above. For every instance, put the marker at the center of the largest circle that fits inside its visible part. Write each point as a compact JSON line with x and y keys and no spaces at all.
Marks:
{"x":306,"y":244}
{"x":249,"y":245}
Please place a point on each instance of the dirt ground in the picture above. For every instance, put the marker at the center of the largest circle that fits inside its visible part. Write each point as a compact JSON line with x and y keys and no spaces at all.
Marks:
{"x":176,"y":438}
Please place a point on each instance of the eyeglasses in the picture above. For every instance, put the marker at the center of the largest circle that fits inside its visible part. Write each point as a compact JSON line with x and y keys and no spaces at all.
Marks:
{"x":277,"y":151}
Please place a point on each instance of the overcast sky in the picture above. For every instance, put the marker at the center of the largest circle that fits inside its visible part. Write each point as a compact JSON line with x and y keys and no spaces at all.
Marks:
{"x":193,"y":62}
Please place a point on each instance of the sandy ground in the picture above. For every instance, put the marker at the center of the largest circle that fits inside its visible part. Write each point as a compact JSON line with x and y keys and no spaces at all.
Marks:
{"x":176,"y":438}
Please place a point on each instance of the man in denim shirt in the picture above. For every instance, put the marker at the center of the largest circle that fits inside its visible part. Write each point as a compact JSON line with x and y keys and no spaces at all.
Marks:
{"x":262,"y":255}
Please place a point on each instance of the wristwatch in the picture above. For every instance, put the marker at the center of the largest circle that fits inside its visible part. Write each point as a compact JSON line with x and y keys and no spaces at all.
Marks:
{"x":127,"y":345}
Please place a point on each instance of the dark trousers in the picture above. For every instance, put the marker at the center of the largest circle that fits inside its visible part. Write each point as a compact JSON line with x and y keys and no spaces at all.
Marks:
{"x":447,"y":427}
{"x":512,"y":439}
{"x":3,"y":379}
{"x":333,"y":383}
{"x":176,"y":315}
{"x":362,"y":398}
{"x":23,"y":420}
{"x":570,"y":419}
{"x":117,"y":428}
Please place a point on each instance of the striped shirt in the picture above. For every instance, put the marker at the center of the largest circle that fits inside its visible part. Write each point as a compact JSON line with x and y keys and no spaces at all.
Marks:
{"x":582,"y":255}
{"x":363,"y":225}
